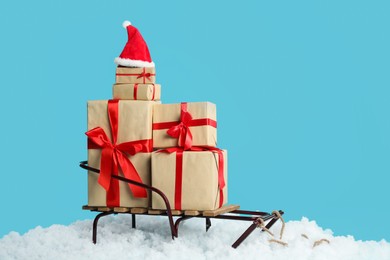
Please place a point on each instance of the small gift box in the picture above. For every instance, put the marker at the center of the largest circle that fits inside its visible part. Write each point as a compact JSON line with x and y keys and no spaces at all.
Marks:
{"x":135,"y":75}
{"x":185,"y":125}
{"x":137,"y":91}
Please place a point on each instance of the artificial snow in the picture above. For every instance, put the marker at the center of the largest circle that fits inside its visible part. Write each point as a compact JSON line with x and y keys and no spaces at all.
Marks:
{"x":152,"y":240}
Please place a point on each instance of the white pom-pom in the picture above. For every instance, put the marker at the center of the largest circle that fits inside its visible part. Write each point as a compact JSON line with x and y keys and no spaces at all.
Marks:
{"x":125,"y":24}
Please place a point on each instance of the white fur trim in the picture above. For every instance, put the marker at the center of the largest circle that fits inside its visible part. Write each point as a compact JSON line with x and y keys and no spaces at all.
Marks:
{"x":125,"y":24}
{"x":133,"y":63}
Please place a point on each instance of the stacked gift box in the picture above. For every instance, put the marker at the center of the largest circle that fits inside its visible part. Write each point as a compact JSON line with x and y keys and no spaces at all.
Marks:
{"x":136,"y":84}
{"x":169,"y":146}
{"x":189,"y":169}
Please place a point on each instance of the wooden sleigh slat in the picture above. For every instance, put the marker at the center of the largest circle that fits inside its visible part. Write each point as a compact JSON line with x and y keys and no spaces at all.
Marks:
{"x":155,"y":211}
{"x":222,"y":210}
{"x":105,"y":209}
{"x":192,"y":212}
{"x":86,"y":207}
{"x":138,"y":210}
{"x":207,"y":213}
{"x":122,"y":209}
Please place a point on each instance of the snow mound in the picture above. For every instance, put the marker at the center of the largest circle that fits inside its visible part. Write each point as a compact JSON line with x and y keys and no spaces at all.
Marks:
{"x":151,"y":240}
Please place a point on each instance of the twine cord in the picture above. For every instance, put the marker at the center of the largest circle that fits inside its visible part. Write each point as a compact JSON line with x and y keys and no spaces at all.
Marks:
{"x":278,"y":242}
{"x":277,"y":215}
{"x":261,"y":224}
{"x":319,"y":242}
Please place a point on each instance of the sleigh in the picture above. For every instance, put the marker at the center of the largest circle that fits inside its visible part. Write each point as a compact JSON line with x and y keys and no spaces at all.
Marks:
{"x":257,"y":219}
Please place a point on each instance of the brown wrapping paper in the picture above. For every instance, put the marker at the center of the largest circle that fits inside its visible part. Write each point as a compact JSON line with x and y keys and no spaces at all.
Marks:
{"x":202,"y":135}
{"x":134,"y":123}
{"x":137,"y":91}
{"x":200,"y":190}
{"x":135,"y":75}
{"x":97,"y":195}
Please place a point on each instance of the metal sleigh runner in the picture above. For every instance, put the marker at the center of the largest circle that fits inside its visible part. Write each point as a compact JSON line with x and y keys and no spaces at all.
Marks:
{"x":148,"y":158}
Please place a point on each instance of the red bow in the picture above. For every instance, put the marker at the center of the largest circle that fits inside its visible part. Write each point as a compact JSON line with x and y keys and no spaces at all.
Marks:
{"x":182,"y":130}
{"x":115,"y":155}
{"x":145,"y":75}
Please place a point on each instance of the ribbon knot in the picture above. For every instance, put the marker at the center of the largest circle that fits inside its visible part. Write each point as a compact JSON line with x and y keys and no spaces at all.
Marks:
{"x":144,"y":75}
{"x":182,"y":130}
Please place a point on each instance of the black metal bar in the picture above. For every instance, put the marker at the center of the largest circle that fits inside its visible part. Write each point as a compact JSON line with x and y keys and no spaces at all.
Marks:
{"x":95,"y":222}
{"x":208,"y":224}
{"x":178,"y":222}
{"x":244,"y":235}
{"x":84,"y":165}
{"x":272,"y":222}
{"x":249,"y":212}
{"x":133,"y":221}
{"x":243,"y":218}
{"x":252,"y":227}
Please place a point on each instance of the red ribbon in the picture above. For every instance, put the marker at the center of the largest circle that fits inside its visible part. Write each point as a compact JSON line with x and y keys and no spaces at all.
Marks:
{"x":181,"y":129}
{"x":135,"y":91}
{"x":154,"y":91}
{"x":142,"y":75}
{"x":179,"y":171}
{"x":114,"y":156}
{"x":145,"y":76}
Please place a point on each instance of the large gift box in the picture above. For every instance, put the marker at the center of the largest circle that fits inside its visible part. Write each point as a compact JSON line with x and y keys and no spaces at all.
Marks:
{"x":135,"y":75}
{"x":137,"y":91}
{"x":191,"y":180}
{"x":185,"y":125}
{"x":119,"y":143}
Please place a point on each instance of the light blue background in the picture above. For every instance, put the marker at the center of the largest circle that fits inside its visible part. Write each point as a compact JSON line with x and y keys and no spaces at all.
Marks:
{"x":302,"y":90}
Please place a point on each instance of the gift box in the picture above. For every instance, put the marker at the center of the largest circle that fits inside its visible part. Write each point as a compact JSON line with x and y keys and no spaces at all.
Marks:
{"x":137,"y":91}
{"x":191,"y":180}
{"x":97,"y":195}
{"x":185,"y":125}
{"x":120,"y":143}
{"x":135,"y":75}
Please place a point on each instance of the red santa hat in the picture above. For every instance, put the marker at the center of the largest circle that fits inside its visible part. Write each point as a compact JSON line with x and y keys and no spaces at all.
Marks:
{"x":136,"y":52}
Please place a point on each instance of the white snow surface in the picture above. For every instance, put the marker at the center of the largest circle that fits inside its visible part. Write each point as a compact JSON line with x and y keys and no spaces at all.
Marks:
{"x":152,"y":240}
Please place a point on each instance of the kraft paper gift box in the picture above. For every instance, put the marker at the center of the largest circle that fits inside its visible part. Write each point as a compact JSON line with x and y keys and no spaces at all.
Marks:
{"x":199,"y":188}
{"x":185,"y":125}
{"x":135,"y":75}
{"x":134,"y":128}
{"x":137,"y":91}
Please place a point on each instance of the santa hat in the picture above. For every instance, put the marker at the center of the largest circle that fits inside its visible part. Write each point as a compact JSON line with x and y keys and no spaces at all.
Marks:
{"x":136,"y":52}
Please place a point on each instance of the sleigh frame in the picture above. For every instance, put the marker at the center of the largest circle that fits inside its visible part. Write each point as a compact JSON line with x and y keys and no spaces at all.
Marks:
{"x":227,"y":212}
